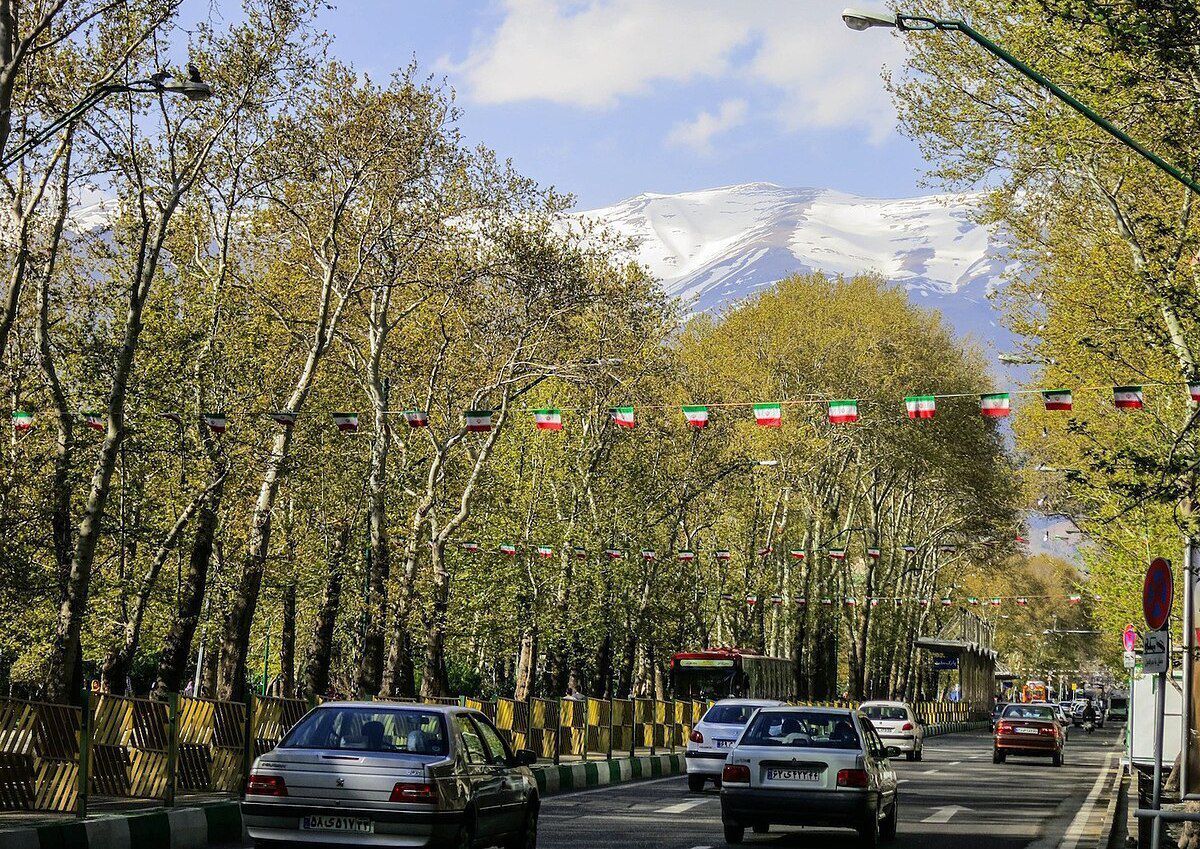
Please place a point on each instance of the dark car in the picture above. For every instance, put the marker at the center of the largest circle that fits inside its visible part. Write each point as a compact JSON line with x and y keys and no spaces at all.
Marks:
{"x":1028,"y":730}
{"x":380,"y":775}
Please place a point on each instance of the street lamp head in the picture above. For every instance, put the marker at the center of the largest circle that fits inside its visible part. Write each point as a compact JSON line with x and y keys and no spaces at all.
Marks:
{"x":859,"y":20}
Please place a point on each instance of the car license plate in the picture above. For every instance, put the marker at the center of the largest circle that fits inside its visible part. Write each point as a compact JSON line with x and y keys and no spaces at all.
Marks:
{"x":723,"y":744}
{"x":319,"y":822}
{"x":793,"y":775}
{"x":1026,"y":730}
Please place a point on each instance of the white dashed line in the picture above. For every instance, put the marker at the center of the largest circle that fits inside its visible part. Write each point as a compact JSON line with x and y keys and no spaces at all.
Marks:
{"x":683,"y":806}
{"x":1079,"y":823}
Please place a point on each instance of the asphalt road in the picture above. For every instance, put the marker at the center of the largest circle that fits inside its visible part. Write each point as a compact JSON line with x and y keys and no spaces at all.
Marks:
{"x":955,"y":797}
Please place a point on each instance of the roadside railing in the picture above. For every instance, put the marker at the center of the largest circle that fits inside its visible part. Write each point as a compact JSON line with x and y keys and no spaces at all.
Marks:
{"x":58,"y":758}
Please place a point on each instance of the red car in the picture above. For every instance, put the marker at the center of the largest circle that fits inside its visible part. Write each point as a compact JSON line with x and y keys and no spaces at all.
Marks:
{"x":1028,"y":730}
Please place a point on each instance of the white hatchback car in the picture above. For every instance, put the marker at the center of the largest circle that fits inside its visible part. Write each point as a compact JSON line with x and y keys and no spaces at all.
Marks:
{"x":713,"y":735}
{"x":897,"y":725}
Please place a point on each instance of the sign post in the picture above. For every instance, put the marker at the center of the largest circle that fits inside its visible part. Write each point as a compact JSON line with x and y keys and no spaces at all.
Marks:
{"x":1190,"y":766}
{"x":1158,"y":594}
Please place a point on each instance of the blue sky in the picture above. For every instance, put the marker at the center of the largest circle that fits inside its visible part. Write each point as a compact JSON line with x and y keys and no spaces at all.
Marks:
{"x":610,"y":98}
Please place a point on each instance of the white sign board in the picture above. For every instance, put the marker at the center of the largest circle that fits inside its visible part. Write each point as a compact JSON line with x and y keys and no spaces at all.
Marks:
{"x":1130,"y":659}
{"x":1156,"y":652}
{"x":1140,"y":737}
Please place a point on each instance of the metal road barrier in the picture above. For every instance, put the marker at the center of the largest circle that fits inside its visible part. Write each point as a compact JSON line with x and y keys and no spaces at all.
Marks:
{"x":59,"y":757}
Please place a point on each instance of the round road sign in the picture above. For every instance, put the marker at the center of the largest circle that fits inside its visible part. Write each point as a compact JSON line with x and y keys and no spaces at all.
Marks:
{"x":1158,"y":592}
{"x":1129,"y":637}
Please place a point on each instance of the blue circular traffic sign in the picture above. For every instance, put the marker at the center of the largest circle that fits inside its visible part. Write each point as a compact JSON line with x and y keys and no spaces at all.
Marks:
{"x":1158,"y":593}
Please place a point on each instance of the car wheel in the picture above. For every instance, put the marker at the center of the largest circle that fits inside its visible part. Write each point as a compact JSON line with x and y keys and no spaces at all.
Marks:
{"x":695,"y":782}
{"x":920,"y":753}
{"x":997,"y":756}
{"x":910,"y":756}
{"x":717,"y":781}
{"x":868,"y":833}
{"x":1057,"y":759}
{"x":762,"y":827}
{"x":734,"y":833}
{"x":887,"y":828}
{"x":526,"y":838}
{"x":465,"y":838}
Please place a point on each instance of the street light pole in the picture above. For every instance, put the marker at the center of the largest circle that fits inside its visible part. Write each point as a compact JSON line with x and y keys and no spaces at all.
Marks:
{"x":859,"y":20}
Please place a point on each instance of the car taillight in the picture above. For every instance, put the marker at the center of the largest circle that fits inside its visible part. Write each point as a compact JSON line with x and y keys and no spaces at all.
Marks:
{"x":1051,"y":730}
{"x":1003,"y":727}
{"x":736,"y":774}
{"x":696,"y":737}
{"x":420,"y":792}
{"x":908,"y":726}
{"x":852,"y":778}
{"x":265,"y":785}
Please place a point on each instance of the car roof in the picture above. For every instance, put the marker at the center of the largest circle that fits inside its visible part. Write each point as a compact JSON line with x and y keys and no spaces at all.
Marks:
{"x":883,"y":703}
{"x":807,"y":709}
{"x":392,"y":706}
{"x":757,"y":702}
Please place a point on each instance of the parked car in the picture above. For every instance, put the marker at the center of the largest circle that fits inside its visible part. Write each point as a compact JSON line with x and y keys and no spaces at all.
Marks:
{"x":1118,"y":709}
{"x":897,"y":725}
{"x":1028,"y":730}
{"x":997,"y":709}
{"x":713,"y":736}
{"x":377,"y":774}
{"x":811,"y":767}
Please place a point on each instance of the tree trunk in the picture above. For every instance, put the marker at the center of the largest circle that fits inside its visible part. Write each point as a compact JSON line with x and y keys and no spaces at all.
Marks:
{"x":320,"y":649}
{"x":287,"y":643}
{"x":526,"y":663}
{"x":370,"y":672}
{"x":434,"y":681}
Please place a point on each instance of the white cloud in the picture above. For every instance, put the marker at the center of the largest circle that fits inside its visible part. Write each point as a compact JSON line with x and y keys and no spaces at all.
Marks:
{"x":698,"y":133}
{"x":593,"y":53}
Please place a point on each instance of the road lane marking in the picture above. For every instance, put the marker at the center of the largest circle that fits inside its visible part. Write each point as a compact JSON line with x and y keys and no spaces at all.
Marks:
{"x":954,"y":763}
{"x":589,"y":791}
{"x":684,"y":806}
{"x":929,"y":772}
{"x":1079,"y":823}
{"x":944,"y":815}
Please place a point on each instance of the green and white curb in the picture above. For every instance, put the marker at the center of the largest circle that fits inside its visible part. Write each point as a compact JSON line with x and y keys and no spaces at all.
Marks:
{"x":940,"y":728}
{"x":174,"y":828}
{"x":577,"y":776}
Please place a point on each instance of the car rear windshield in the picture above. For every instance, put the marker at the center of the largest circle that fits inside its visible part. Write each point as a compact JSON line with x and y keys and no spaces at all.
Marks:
{"x":884,"y":712}
{"x":1029,"y":712}
{"x":729,"y":714}
{"x":807,"y":729}
{"x":1117,"y":702}
{"x":362,"y":729}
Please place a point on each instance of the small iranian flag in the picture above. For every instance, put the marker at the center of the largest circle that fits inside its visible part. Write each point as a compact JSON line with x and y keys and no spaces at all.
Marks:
{"x":172,"y":417}
{"x":726,"y":596}
{"x":972,"y":600}
{"x":843,"y":412}
{"x":1194,"y":392}
{"x":478,"y":421}
{"x":837,"y":553}
{"x":648,"y":554}
{"x":924,"y":602}
{"x":722,"y":554}
{"x":470,"y":546}
{"x":763,"y":552}
{"x":1128,"y":397}
{"x":1057,"y":399}
{"x":873,"y":553}
{"x":1021,"y":539}
{"x":801,"y":602}
{"x":827,"y":602}
{"x":946,"y":602}
{"x":548,"y":419}
{"x":22,"y":420}
{"x":776,"y":599}
{"x":995,"y":405}
{"x":1022,"y":601}
{"x":874,"y":602}
{"x":685,"y":555}
{"x":623,"y":416}
{"x":909,"y":549}
{"x":346,"y":422}
{"x":94,"y":420}
{"x":796,"y":554}
{"x":580,"y":553}
{"x":994,"y":602}
{"x":768,"y":415}
{"x":949,"y":549}
{"x":613,"y":553}
{"x":416,"y":418}
{"x":1074,"y":599}
{"x":850,"y":601}
{"x":215,"y":421}
{"x":921,"y":406}
{"x":752,"y":600}
{"x":508,"y":549}
{"x":696,"y":415}
{"x":545,"y":551}
{"x":283,"y":418}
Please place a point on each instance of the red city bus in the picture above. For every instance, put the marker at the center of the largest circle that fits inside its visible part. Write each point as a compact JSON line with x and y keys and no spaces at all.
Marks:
{"x":723,"y":673}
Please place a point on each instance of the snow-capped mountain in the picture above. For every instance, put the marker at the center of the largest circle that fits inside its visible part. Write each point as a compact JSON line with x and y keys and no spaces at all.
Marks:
{"x":716,"y":246}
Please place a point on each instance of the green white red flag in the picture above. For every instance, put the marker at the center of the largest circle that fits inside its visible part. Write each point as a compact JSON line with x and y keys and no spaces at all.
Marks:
{"x":580,"y":553}
{"x":726,"y":596}
{"x":850,"y":601}
{"x":994,"y":602}
{"x":284,"y":418}
{"x":837,"y":553}
{"x":508,"y":549}
{"x":478,"y":421}
{"x":995,"y":405}
{"x":751,"y":600}
{"x":548,"y":419}
{"x":796,"y":554}
{"x":764,"y":551}
{"x":843,"y":412}
{"x":1074,"y":599}
{"x":648,"y":554}
{"x":346,"y":422}
{"x":946,"y":602}
{"x":545,"y":551}
{"x":216,"y":421}
{"x":921,"y":406}
{"x":722,"y":554}
{"x":1128,"y":397}
{"x":172,"y":417}
{"x":1022,"y":601}
{"x":768,"y":415}
{"x":470,"y":546}
{"x":1057,"y":399}
{"x":827,"y":602}
{"x":685,"y":555}
{"x":696,"y":415}
{"x":22,"y":420}
{"x":802,"y":602}
{"x":909,"y":549}
{"x":623,"y":416}
{"x":613,"y":553}
{"x":776,"y":599}
{"x":94,"y":420}
{"x":1194,"y":392}
{"x":972,"y":600}
{"x":416,"y":418}
{"x":873,"y":553}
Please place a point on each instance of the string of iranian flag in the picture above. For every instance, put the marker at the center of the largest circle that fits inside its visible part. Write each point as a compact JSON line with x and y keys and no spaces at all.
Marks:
{"x":768,"y":414}
{"x":900,"y":601}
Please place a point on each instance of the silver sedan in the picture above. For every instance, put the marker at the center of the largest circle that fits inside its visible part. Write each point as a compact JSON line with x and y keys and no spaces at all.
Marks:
{"x":384,"y":775}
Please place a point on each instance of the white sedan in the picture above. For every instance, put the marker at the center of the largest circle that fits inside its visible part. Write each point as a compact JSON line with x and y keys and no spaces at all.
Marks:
{"x":712,"y":737}
{"x":810,"y":767}
{"x":897,"y":726}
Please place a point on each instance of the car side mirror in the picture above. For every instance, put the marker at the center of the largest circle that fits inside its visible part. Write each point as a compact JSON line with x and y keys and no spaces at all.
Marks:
{"x":892,"y":751}
{"x":524,"y":757}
